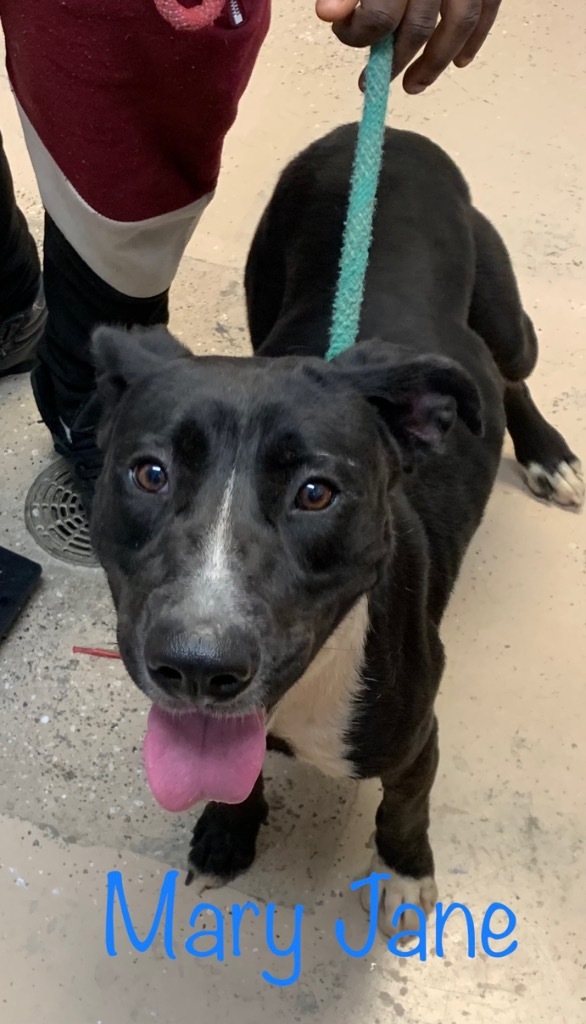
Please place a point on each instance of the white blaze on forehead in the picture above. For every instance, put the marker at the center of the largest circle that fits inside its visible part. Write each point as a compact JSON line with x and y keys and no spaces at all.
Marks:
{"x":217,"y":563}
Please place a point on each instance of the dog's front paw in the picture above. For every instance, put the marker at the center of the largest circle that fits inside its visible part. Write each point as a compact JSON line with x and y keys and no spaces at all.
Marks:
{"x":223,"y":846}
{"x":394,"y":893}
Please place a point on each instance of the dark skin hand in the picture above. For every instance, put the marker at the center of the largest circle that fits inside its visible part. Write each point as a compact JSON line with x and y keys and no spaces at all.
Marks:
{"x":448,"y":31}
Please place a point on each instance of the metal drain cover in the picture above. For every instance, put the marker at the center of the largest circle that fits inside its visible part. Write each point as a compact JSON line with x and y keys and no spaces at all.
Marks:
{"x":55,"y":517}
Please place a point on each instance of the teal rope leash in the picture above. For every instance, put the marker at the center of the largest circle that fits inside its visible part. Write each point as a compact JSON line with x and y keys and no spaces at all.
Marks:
{"x":361,"y":204}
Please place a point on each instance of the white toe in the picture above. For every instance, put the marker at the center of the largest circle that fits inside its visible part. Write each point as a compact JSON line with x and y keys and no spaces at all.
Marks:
{"x":394,"y":893}
{"x":565,"y":486}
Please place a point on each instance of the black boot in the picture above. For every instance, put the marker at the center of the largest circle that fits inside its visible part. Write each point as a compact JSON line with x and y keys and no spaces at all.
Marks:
{"x":22,"y":303}
{"x":20,"y":336}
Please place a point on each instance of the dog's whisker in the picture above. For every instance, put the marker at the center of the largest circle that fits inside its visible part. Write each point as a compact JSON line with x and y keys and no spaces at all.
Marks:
{"x":349,"y":650}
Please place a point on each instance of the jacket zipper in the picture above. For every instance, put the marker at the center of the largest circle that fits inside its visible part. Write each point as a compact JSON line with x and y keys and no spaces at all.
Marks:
{"x":235,"y":14}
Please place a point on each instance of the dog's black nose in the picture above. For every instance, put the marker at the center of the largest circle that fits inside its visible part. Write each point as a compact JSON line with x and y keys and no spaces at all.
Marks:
{"x":205,"y":663}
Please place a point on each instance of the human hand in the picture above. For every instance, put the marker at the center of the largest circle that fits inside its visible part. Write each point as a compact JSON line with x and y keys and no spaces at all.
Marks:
{"x":458,"y":35}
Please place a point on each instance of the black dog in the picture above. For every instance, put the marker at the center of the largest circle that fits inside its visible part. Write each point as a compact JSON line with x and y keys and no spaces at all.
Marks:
{"x":281,"y":535}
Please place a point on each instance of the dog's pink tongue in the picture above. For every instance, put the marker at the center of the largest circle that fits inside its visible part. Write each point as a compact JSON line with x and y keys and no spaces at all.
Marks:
{"x":193,"y":757}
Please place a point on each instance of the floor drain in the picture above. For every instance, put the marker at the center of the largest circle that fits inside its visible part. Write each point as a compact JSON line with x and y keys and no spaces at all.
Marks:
{"x":55,"y":517}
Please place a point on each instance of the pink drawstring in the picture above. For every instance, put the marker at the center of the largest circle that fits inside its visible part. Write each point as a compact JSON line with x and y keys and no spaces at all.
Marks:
{"x":190,"y":18}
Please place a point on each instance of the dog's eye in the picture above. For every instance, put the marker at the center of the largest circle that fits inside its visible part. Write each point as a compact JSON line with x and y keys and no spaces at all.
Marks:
{"x":151,"y":477}
{"x":315,"y":496}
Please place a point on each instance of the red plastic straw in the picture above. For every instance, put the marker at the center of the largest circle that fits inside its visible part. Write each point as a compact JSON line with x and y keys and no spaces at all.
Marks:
{"x":97,"y":652}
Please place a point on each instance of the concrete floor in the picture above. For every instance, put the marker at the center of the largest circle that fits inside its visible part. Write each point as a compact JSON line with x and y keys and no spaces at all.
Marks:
{"x":508,"y":808}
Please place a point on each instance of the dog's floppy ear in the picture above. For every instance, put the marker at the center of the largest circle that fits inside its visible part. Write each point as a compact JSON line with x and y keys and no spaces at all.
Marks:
{"x":121,"y":357}
{"x":418,"y":398}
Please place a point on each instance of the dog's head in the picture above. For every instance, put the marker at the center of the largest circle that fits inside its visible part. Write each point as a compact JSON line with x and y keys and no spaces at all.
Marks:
{"x":245,"y":505}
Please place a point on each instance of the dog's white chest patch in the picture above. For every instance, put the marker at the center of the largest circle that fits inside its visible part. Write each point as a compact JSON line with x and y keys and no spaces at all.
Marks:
{"x":314,"y":715}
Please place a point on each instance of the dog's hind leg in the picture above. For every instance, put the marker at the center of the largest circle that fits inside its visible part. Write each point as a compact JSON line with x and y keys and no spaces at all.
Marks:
{"x":496,"y":312}
{"x":551,"y":469}
{"x":264,"y":280}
